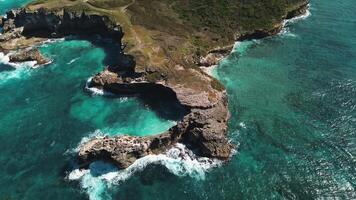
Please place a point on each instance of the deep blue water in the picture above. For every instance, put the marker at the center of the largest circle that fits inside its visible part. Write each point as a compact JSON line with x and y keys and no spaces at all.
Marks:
{"x":292,"y":99}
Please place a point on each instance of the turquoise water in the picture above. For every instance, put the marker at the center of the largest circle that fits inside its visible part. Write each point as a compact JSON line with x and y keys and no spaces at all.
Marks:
{"x":5,"y":5}
{"x":292,"y":99}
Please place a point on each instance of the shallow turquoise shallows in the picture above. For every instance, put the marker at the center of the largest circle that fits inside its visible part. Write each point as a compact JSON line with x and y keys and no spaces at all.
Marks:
{"x":292,"y":98}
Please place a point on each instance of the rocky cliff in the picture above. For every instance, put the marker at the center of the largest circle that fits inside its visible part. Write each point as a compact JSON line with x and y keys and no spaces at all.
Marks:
{"x":158,"y":62}
{"x":59,"y":23}
{"x":203,"y":129}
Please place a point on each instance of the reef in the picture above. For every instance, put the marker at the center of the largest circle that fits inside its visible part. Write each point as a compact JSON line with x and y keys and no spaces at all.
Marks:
{"x":160,"y":54}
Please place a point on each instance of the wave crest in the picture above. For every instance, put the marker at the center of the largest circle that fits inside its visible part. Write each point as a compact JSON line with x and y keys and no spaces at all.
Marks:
{"x":286,"y":31}
{"x":96,"y":91}
{"x":178,"y":160}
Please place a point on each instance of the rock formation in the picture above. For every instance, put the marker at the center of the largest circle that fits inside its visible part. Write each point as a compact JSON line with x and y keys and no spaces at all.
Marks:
{"x":203,"y":129}
{"x":262,"y":33}
{"x":29,"y":55}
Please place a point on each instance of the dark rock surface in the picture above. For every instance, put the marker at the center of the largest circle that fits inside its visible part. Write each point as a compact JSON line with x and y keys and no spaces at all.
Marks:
{"x":59,"y":23}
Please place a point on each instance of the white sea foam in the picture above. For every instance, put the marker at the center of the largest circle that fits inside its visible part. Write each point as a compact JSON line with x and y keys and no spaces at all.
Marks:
{"x":72,"y":61}
{"x":95,"y":134}
{"x":209,"y":70}
{"x":241,"y":47}
{"x":286,"y":31}
{"x":20,"y":69}
{"x":5,"y":59}
{"x":178,"y":160}
{"x":96,"y":91}
{"x":50,"y":41}
{"x":242,"y":125}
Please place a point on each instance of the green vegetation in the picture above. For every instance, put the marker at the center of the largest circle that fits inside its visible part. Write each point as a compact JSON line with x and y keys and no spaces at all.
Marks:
{"x":109,"y":4}
{"x":166,"y":35}
{"x":228,"y":16}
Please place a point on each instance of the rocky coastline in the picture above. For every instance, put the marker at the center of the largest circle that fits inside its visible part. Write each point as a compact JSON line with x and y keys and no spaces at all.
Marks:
{"x":214,"y":56}
{"x":203,"y":129}
{"x":29,"y":55}
{"x":277,"y":28}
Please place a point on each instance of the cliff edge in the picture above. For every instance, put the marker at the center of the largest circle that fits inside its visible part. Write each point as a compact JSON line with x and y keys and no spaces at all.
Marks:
{"x":162,"y":45}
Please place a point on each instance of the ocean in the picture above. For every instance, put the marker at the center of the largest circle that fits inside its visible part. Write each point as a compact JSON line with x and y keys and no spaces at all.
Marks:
{"x":292,"y":99}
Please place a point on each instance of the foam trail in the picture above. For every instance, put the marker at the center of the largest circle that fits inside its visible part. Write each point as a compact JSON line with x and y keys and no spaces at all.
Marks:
{"x":72,"y":61}
{"x":5,"y":59}
{"x":178,"y":160}
{"x":50,"y":41}
{"x":286,"y":31}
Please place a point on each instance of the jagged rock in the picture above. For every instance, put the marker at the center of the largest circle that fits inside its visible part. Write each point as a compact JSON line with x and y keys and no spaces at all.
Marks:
{"x":262,"y":33}
{"x":61,"y":23}
{"x":204,"y":127}
{"x":29,"y":55}
{"x":122,"y":150}
{"x":301,"y":10}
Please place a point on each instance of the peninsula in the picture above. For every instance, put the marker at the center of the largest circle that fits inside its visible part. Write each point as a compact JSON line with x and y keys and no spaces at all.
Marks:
{"x":162,"y":46}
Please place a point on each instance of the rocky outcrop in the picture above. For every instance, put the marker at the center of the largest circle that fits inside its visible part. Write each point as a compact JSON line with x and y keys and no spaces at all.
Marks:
{"x":123,"y":150}
{"x":203,"y":129}
{"x":22,"y":28}
{"x":59,"y":23}
{"x":29,"y":55}
{"x":298,"y":11}
{"x":262,"y":33}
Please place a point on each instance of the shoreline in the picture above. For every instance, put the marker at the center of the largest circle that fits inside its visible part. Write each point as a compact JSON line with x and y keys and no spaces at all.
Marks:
{"x":203,"y":128}
{"x":214,"y":63}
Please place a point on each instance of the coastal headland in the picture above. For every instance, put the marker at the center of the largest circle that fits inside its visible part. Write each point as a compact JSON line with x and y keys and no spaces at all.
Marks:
{"x":162,"y":46}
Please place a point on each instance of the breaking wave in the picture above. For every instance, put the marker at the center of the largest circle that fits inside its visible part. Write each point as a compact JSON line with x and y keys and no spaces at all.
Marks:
{"x":96,"y":91}
{"x":286,"y":31}
{"x":16,"y":70}
{"x":100,"y":176}
{"x":5,"y":59}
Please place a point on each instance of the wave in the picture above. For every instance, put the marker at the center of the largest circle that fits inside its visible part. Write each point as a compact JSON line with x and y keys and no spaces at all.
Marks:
{"x":100,"y":176}
{"x":96,"y":134}
{"x":286,"y":31}
{"x":179,"y":160}
{"x":19,"y":69}
{"x":5,"y":59}
{"x":72,"y":61}
{"x":242,"y":125}
{"x":50,"y":41}
{"x":96,"y":91}
{"x":210,"y":70}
